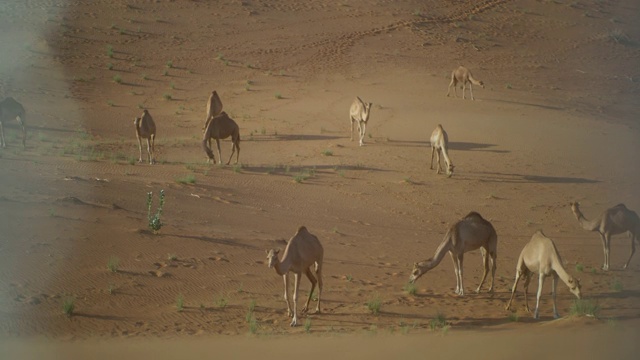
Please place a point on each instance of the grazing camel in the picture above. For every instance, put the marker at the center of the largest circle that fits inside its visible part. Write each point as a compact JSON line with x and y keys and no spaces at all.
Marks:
{"x":146,"y":129}
{"x":440,"y":146}
{"x":541,"y":256}
{"x":214,"y":107}
{"x":469,"y":233}
{"x":613,"y":221}
{"x":302,"y":251}
{"x":359,"y":113}
{"x":463,"y":75}
{"x":221,"y":126}
{"x":11,"y":109}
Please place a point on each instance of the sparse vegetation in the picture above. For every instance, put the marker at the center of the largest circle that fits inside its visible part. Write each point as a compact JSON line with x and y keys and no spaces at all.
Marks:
{"x":110,"y":66}
{"x":154,"y":220}
{"x":374,"y":304}
{"x":169,"y":64}
{"x":278,"y":96}
{"x":188,"y":179}
{"x":237,"y":168}
{"x":172,"y":257}
{"x":616,"y":285}
{"x":113,"y":264}
{"x":410,"y":288}
{"x":307,"y":326}
{"x":584,"y":307}
{"x":327,"y":153}
{"x":513,"y":317}
{"x":167,"y":96}
{"x":117,"y":79}
{"x":110,"y":51}
{"x":180,"y":303}
{"x":438,"y":322}
{"x":68,"y":306}
{"x":579,"y":267}
{"x":222,"y":302}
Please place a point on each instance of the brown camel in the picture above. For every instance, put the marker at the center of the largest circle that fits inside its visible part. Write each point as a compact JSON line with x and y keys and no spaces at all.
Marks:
{"x":214,"y":107}
{"x":613,"y":221}
{"x":469,"y":233}
{"x":463,"y":75}
{"x":302,"y":251}
{"x":221,"y":126}
{"x":11,"y":109}
{"x":146,"y":129}
{"x":541,"y":256}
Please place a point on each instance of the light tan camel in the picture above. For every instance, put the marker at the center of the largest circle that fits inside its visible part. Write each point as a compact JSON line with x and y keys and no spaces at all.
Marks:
{"x":541,"y":256}
{"x":146,"y":129}
{"x":359,"y":113}
{"x":613,"y":221}
{"x":11,"y":109}
{"x":302,"y":251}
{"x":463,"y":75}
{"x":221,"y":126}
{"x":214,"y":107}
{"x":469,"y":233}
{"x":440,"y":146}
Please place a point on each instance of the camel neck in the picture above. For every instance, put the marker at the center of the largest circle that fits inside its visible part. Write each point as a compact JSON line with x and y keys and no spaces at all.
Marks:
{"x":441,"y":251}
{"x":282,"y":267}
{"x":586,"y":224}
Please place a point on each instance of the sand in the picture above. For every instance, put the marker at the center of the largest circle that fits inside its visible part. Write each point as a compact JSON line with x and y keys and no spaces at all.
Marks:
{"x":555,"y":123}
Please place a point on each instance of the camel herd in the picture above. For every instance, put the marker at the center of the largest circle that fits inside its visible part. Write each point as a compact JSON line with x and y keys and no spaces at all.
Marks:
{"x":304,"y":251}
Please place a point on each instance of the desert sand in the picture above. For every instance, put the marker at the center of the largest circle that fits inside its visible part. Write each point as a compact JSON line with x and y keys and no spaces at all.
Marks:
{"x":556,"y":122}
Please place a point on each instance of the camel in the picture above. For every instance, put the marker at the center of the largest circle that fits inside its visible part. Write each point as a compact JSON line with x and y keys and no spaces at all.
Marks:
{"x":613,"y":221}
{"x":146,"y":129}
{"x":440,"y":145}
{"x":11,"y":109}
{"x":463,"y":75}
{"x":541,"y":256}
{"x":219,"y":127}
{"x":359,"y":113}
{"x":469,"y":233}
{"x":302,"y":251}
{"x":214,"y":107}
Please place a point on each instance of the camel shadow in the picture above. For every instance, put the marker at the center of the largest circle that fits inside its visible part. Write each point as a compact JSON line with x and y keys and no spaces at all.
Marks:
{"x":227,"y":242}
{"x":520,"y":178}
{"x":548,"y":107}
{"x":453,"y":145}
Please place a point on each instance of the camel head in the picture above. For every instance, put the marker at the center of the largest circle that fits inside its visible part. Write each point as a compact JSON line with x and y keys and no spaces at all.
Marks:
{"x":481,"y":83}
{"x":574,"y":287}
{"x":272,"y":257}
{"x":450,"y":170}
{"x":367,"y":111}
{"x":417,"y":271}
{"x":575,"y":207}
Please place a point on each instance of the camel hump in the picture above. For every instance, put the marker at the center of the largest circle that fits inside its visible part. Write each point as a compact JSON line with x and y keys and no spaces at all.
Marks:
{"x":539,"y":232}
{"x":621,"y":205}
{"x":302,"y":229}
{"x":145,"y":111}
{"x":473,"y":214}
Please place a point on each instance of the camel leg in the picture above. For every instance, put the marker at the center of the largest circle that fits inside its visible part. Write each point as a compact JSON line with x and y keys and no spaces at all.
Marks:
{"x":494,"y":265}
{"x":139,"y":149}
{"x":513,"y":289}
{"x":455,"y":271}
{"x":554,"y":283}
{"x":527,"y":280}
{"x":605,"y":248}
{"x":460,"y":261}
{"x":24,"y":131}
{"x":149,"y":150}
{"x":464,"y":87}
{"x":319,"y":277}
{"x":352,"y":120}
{"x":296,"y":286}
{"x":540,"y":283}
{"x":2,"y":142}
{"x":237,"y":144}
{"x":471,"y":91}
{"x":233,"y":150}
{"x":438,"y":154}
{"x":285,"y":277}
{"x":219,"y":153}
{"x":313,"y":281}
{"x":433,"y":149}
{"x":632,"y":237}
{"x":153,"y":149}
{"x":363,"y":129}
{"x":485,"y":263}
{"x":452,"y":83}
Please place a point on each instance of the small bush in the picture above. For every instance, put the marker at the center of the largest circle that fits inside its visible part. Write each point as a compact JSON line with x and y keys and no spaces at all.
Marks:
{"x":222,"y":302}
{"x":172,"y":257}
{"x":180,"y":303}
{"x":579,"y":267}
{"x":110,"y":66}
{"x":410,"y":288}
{"x":616,"y":285}
{"x":189,"y":179}
{"x":438,"y":322}
{"x":584,"y":307}
{"x":154,"y":220}
{"x":307,"y":326}
{"x":113,"y":263}
{"x":513,"y":317}
{"x":374,"y":304}
{"x":117,"y":79}
{"x":327,"y":153}
{"x":68,"y":306}
{"x":110,"y":51}
{"x":253,"y":325}
{"x":278,"y":96}
{"x":167,"y":96}
{"x":169,"y":64}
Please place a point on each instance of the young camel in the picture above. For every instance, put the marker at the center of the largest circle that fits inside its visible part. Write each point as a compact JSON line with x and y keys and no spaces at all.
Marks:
{"x":146,"y":129}
{"x":221,"y":126}
{"x":440,"y":146}
{"x":613,"y":221}
{"x":359,"y":113}
{"x":11,"y":109}
{"x":302,"y":251}
{"x":468,"y":234}
{"x":214,"y":107}
{"x":463,"y":75}
{"x":541,"y":256}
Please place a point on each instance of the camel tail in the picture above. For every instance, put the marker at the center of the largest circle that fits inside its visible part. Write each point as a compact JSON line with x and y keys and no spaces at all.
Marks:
{"x":207,"y":150}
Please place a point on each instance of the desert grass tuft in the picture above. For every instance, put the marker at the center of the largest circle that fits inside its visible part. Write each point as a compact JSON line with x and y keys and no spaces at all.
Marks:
{"x":584,"y":307}
{"x":180,"y":303}
{"x":410,"y":288}
{"x":68,"y":306}
{"x":113,"y":264}
{"x":438,"y":322}
{"x":374,"y":304}
{"x":188,"y":179}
